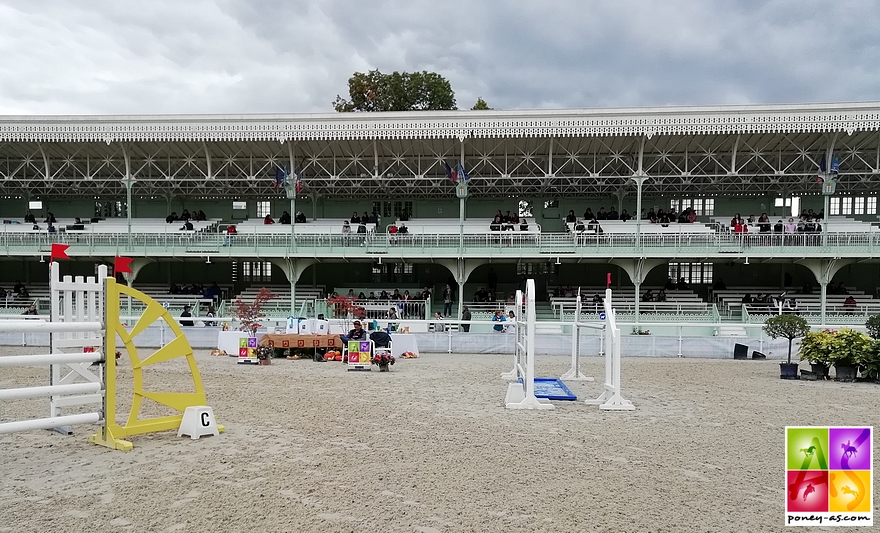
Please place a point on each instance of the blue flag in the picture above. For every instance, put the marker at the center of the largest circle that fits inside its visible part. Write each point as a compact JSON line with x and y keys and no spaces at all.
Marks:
{"x":462,"y":173}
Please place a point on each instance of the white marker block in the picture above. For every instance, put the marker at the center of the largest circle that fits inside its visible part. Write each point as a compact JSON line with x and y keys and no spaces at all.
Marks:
{"x":197,"y":421}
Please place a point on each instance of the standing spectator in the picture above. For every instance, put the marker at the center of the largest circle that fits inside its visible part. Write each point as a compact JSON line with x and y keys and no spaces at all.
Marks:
{"x":210,"y":314}
{"x":465,"y":315}
{"x":499,"y":317}
{"x":447,"y":300}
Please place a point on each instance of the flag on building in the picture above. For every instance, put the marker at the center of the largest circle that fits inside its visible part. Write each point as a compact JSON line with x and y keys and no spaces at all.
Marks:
{"x":451,"y":174}
{"x":462,"y":173}
{"x":280,"y":176}
{"x":299,"y":179}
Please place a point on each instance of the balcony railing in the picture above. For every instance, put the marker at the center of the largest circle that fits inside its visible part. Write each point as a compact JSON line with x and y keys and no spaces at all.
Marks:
{"x":548,"y":244}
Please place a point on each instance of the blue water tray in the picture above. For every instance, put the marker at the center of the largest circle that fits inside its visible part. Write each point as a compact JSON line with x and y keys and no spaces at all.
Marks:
{"x":552,"y":389}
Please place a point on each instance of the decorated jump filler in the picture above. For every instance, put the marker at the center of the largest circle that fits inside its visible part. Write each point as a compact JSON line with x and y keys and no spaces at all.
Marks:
{"x":197,"y":418}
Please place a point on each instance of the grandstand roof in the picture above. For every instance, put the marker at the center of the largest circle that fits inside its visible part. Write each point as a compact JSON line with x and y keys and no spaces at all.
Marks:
{"x":718,"y":150}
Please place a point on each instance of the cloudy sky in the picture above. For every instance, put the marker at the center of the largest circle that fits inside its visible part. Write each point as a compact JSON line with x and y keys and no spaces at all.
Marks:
{"x":295,"y":56}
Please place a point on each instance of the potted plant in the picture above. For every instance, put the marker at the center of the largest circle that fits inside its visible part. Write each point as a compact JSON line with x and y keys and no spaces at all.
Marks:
{"x":816,"y":349}
{"x":787,"y":327}
{"x":250,"y":314}
{"x":870,"y":362}
{"x":873,"y":326}
{"x":382,"y":358}
{"x":847,"y":349}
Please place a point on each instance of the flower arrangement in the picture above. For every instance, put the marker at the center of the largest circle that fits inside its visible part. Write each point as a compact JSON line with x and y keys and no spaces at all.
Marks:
{"x":250,"y":314}
{"x":264,"y":352}
{"x":382,"y":358}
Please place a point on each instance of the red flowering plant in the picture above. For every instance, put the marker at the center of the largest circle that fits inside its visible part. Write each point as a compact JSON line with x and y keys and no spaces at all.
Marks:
{"x":382,"y":358}
{"x":250,"y":314}
{"x":344,"y":307}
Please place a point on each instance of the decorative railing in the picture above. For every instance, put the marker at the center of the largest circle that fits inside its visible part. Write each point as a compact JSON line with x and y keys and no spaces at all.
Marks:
{"x":549,"y":245}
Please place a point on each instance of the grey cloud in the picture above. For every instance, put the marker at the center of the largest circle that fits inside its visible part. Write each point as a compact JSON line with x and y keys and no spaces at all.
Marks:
{"x":227,"y":56}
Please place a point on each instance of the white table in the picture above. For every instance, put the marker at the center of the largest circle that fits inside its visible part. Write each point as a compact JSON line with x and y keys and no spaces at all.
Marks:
{"x":228,"y":341}
{"x":402,"y":342}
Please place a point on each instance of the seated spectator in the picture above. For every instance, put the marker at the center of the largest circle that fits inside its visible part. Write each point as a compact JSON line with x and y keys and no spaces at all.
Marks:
{"x":300,"y":217}
{"x":651,"y":215}
{"x":372,"y":296}
{"x":51,"y":228}
{"x":392,"y":229}
{"x":719,"y":285}
{"x":438,"y":324}
{"x":186,"y":314}
{"x":50,"y":218}
{"x":682,"y":285}
{"x":579,"y":226}
{"x":524,"y":224}
{"x":661,"y":296}
{"x":849,"y":302}
{"x":601,"y":215}
{"x":790,"y":226}
{"x":285,"y":218}
{"x":402,"y":229}
{"x":778,"y":227}
{"x":670,"y":284}
{"x":588,"y":214}
{"x":496,"y":223}
{"x":624,"y":216}
{"x":201,"y":216}
{"x":648,"y":296}
{"x":392,"y":314}
{"x":346,"y":227}
{"x":764,"y":223}
{"x":77,"y":220}
{"x":734,"y":220}
{"x":185,"y":215}
{"x":36,"y":227}
{"x":514,"y":218}
{"x":231,"y":230}
{"x":187,"y":226}
{"x":692,"y":215}
{"x":569,"y":218}
{"x":404,"y":215}
{"x":613,"y":214}
{"x":362,"y":296}
{"x":29,"y":218}
{"x":32,"y":310}
{"x":268,"y":220}
{"x":210,"y":313}
{"x":172,"y":217}
{"x":355,"y":219}
{"x":747,"y":299}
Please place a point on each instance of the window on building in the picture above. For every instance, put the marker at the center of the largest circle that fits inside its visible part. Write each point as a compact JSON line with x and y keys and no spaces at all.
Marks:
{"x":239,"y":206}
{"x":525,"y":208}
{"x":530,"y":269}
{"x":110,"y":209}
{"x":256,"y":270}
{"x":871,"y":205}
{"x":859,"y":205}
{"x":401,"y":207}
{"x":852,"y":205}
{"x":383,"y":209}
{"x":264,"y":207}
{"x":693,"y":273}
{"x":701,"y":206}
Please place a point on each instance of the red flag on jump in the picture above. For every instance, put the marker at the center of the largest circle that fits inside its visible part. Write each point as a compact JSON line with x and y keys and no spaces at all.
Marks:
{"x":122,"y":264}
{"x":59,"y":251}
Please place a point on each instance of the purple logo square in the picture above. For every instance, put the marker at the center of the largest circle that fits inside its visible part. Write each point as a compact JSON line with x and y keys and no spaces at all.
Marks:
{"x":849,"y":448}
{"x":252,"y":342}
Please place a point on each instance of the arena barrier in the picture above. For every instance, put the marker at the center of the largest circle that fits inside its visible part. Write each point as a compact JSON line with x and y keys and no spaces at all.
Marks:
{"x":522,"y":395}
{"x":74,"y":303}
{"x":611,"y":398}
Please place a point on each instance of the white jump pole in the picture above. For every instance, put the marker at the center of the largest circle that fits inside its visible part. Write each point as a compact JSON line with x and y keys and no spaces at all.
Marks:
{"x":50,"y":390}
{"x":513,"y":374}
{"x":574,"y":373}
{"x":50,"y":423}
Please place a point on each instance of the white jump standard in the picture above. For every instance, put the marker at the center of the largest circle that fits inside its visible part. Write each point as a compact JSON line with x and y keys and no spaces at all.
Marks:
{"x":611,"y":398}
{"x":522,"y":395}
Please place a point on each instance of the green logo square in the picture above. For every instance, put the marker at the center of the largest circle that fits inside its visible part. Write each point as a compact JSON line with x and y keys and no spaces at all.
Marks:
{"x":806,"y":448}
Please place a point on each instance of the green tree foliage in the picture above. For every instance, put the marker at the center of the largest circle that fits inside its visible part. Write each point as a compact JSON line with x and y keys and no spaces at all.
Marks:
{"x":787,"y":327}
{"x":398,"y":91}
{"x":481,"y":105}
{"x":873,"y":326}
